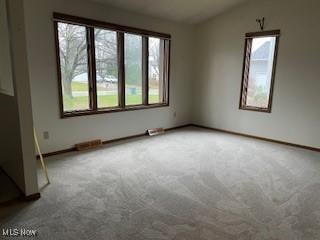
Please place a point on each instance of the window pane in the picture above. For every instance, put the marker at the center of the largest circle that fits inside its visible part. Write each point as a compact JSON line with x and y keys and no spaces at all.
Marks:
{"x":260,"y":71}
{"x":74,"y":67}
{"x":133,"y":69}
{"x":106,"y":68}
{"x":156,"y":70}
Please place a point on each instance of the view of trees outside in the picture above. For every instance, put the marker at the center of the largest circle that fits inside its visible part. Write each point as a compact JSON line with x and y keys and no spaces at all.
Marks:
{"x":155,"y":70}
{"x":106,"y":68}
{"x":260,"y":71}
{"x":74,"y":68}
{"x":133,"y":68}
{"x":74,"y":63}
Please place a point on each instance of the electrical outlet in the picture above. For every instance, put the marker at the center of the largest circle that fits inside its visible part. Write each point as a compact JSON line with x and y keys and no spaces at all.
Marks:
{"x":46,"y":135}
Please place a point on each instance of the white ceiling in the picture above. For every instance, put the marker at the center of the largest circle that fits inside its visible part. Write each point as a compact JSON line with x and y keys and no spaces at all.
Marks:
{"x":187,"y":11}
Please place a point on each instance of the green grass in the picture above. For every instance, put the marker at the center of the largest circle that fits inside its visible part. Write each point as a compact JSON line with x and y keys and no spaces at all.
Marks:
{"x":79,"y":87}
{"x":82,"y":103}
{"x":82,"y":87}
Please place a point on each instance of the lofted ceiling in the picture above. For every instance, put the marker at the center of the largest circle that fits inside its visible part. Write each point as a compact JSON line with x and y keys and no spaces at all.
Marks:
{"x":187,"y":11}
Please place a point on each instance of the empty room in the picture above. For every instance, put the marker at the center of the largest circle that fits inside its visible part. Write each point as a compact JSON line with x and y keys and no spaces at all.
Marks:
{"x":160,"y":120}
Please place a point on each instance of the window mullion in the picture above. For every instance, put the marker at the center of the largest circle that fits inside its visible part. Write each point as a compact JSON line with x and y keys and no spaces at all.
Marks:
{"x":92,"y":68}
{"x":121,"y":71}
{"x":162,"y":71}
{"x":145,"y":70}
{"x":165,"y":87}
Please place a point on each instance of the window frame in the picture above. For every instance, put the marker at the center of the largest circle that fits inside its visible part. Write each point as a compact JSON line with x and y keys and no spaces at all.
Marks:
{"x":91,"y":25}
{"x":246,"y":69}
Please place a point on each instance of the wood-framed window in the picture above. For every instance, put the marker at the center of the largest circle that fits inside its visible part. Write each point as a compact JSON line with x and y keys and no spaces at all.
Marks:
{"x":259,"y":65}
{"x":104,"y":67}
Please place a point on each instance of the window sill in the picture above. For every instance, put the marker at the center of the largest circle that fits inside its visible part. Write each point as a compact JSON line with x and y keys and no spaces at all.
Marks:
{"x":111,"y":110}
{"x":255,"y":109}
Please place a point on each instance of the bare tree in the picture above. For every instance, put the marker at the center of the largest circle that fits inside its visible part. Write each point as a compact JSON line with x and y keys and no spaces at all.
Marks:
{"x":106,"y":54}
{"x":154,"y":56}
{"x":73,"y":55}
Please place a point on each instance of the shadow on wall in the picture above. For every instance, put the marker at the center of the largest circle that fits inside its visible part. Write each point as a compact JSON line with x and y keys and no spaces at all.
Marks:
{"x":11,"y":159}
{"x":6,"y":82}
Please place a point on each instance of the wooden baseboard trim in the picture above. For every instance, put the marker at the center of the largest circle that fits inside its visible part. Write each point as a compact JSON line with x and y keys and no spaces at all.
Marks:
{"x":20,"y":199}
{"x":141,"y":135}
{"x":259,"y":138}
{"x":178,"y":127}
{"x":188,"y":125}
{"x":123,"y":138}
{"x":73,"y":149}
{"x":32,"y":197}
{"x":109,"y":141}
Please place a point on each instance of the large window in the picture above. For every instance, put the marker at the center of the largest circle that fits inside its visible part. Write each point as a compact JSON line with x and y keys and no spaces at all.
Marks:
{"x":105,"y":67}
{"x":259,"y":70}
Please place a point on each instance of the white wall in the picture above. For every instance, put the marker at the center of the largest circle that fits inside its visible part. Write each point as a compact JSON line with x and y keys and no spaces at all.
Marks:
{"x":16,"y":136}
{"x":41,"y":52}
{"x":295,"y":113}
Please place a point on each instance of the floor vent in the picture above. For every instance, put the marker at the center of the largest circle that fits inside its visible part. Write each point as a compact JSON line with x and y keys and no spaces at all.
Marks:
{"x":155,"y":131}
{"x":88,"y":145}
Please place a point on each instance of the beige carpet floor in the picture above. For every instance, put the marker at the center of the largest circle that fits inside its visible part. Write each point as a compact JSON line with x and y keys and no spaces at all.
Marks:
{"x":188,"y":184}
